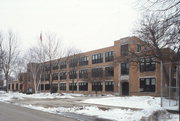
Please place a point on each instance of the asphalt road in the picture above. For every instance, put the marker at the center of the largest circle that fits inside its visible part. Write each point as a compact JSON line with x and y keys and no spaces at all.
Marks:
{"x":9,"y":112}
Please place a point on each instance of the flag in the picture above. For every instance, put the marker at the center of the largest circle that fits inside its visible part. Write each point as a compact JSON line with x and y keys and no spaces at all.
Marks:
{"x":40,"y":36}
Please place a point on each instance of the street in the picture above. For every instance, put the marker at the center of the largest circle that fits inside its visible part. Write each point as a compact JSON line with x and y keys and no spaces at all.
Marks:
{"x":9,"y":112}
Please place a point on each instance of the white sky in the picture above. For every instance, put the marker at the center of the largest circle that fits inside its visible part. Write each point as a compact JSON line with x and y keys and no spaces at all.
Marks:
{"x":84,"y":24}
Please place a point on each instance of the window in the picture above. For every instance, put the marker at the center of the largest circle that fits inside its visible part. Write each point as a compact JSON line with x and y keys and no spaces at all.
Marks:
{"x":138,"y":48}
{"x":46,"y":77}
{"x":83,"y":86}
{"x":47,"y":67}
{"x":72,"y":75}
{"x":55,"y":66}
{"x":97,"y":58}
{"x":83,"y":61}
{"x":109,"y":71}
{"x":62,"y":86}
{"x":72,"y":86}
{"x":147,"y":64}
{"x":124,"y":50}
{"x":109,"y":86}
{"x":73,"y":63}
{"x":16,"y":86}
{"x":42,"y":86}
{"x":63,"y":65}
{"x":124,"y":68}
{"x":83,"y":73}
{"x":109,"y":56}
{"x":63,"y":75}
{"x":97,"y":72}
{"x":147,"y":84}
{"x":96,"y":86}
{"x":12,"y":86}
{"x":47,"y":86}
{"x":21,"y":86}
{"x":9,"y":86}
{"x":55,"y":76}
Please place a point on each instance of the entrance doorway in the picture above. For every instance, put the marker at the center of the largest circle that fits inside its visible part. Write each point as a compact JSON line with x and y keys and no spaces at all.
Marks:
{"x":125,"y":88}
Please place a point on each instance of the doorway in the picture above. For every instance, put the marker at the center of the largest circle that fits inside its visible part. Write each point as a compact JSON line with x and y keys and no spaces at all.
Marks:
{"x":125,"y":88}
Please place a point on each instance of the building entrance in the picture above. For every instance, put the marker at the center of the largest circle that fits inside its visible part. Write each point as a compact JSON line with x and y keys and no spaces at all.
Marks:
{"x":125,"y":88}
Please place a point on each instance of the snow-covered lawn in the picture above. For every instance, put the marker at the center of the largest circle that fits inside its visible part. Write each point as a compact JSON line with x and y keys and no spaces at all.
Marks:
{"x":146,"y":105}
{"x":142,"y":102}
{"x":16,"y":95}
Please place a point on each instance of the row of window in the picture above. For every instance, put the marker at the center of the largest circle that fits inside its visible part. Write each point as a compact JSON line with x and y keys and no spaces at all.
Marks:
{"x":83,"y":86}
{"x":146,"y":85}
{"x":15,"y":86}
{"x":96,"y":58}
{"x":96,"y":72}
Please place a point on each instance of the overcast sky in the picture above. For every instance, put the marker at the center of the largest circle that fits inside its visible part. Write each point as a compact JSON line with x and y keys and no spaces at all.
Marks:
{"x":84,"y":24}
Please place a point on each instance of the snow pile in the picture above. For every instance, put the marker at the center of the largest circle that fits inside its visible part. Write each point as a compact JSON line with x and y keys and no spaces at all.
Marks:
{"x":16,"y":95}
{"x":142,"y":102}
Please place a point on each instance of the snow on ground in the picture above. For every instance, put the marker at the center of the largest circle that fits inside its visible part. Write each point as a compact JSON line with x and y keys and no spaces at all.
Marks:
{"x":16,"y":95}
{"x":148,"y":105}
{"x":142,"y":102}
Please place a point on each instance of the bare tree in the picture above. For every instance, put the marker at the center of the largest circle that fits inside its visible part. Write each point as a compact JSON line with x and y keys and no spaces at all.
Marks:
{"x":51,"y":47}
{"x":10,"y":49}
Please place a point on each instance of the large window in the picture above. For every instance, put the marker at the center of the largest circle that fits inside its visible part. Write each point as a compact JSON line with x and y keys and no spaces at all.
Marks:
{"x":63,"y":75}
{"x":47,"y":86}
{"x":47,"y":67}
{"x":55,"y":66}
{"x":47,"y":77}
{"x":55,"y":76}
{"x":42,"y":86}
{"x":96,"y":86}
{"x":109,"y":56}
{"x":109,"y":86}
{"x":83,"y":86}
{"x":97,"y":58}
{"x":124,"y":50}
{"x":147,"y":64}
{"x":109,"y":71}
{"x":63,"y":65}
{"x":72,"y":86}
{"x":97,"y":72}
{"x":147,"y":84}
{"x":138,"y":47}
{"x":124,"y":68}
{"x":73,"y":62}
{"x":62,"y":86}
{"x":83,"y":73}
{"x":72,"y":75}
{"x":83,"y":61}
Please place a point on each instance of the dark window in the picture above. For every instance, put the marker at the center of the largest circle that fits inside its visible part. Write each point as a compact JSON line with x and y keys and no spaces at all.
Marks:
{"x":83,"y":61}
{"x":109,"y":86}
{"x":147,"y":84}
{"x":55,"y":66}
{"x":47,"y":77}
{"x":72,"y":75}
{"x":109,"y":71}
{"x":12,"y":86}
{"x":72,"y":86}
{"x":62,"y":86}
{"x":42,"y":86}
{"x":96,"y":86}
{"x":97,"y":72}
{"x":83,"y":73}
{"x":47,"y":87}
{"x":42,"y":77}
{"x":73,"y":62}
{"x":124,"y":68}
{"x":9,"y":86}
{"x":124,"y":50}
{"x":55,"y":76}
{"x":63,"y":75}
{"x":83,"y":86}
{"x":17,"y":86}
{"x":109,"y":56}
{"x":97,"y":58}
{"x":138,"y":48}
{"x":63,"y":65}
{"x":21,"y":86}
{"x":147,"y":64}
{"x":47,"y":67}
